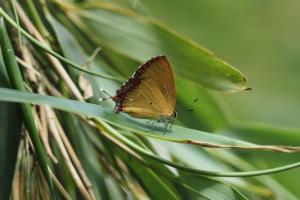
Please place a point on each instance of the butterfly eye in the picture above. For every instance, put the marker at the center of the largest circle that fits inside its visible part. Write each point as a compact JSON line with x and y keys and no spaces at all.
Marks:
{"x":175,"y":114}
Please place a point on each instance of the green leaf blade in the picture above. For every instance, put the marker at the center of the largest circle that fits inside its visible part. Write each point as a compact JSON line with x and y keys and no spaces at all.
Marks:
{"x":140,"y":38}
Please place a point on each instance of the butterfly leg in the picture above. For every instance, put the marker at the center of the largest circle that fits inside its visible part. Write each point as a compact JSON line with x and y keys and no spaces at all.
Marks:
{"x":157,"y":119}
{"x":166,"y":123}
{"x":153,"y":123}
{"x":171,"y":124}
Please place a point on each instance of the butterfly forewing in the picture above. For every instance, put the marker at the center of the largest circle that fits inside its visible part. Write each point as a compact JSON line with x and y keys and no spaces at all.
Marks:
{"x":154,"y":95}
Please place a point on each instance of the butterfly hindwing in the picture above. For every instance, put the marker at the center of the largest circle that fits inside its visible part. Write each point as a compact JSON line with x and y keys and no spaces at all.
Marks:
{"x":150,"y":93}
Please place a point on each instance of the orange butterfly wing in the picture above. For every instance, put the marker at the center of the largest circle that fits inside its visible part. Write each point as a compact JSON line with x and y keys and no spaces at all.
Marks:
{"x":150,"y":92}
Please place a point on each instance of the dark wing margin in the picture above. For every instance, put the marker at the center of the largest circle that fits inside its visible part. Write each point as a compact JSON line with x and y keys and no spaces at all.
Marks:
{"x":163,"y":74}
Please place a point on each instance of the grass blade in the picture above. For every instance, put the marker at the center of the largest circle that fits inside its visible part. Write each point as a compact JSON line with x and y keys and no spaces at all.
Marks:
{"x":17,"y":82}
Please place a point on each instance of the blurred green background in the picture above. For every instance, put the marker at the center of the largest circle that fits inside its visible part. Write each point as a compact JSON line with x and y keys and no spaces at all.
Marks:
{"x":260,"y":38}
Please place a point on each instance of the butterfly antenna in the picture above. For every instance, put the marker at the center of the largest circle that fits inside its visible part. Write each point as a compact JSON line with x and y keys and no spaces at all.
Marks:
{"x":187,"y":105}
{"x":106,"y":93}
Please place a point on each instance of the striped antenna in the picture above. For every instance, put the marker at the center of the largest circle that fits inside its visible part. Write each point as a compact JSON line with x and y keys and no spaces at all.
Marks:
{"x":187,"y":105}
{"x":105,"y":92}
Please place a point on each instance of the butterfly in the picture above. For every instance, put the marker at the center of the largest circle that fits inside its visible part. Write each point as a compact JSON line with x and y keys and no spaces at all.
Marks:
{"x":150,"y":93}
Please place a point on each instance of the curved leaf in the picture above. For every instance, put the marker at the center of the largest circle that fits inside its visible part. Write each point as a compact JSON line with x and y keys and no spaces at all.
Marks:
{"x":140,"y":38}
{"x":209,"y":188}
{"x":140,"y":126}
{"x":96,"y":111}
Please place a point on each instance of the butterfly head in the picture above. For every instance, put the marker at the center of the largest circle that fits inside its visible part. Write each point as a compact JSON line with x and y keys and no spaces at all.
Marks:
{"x":175,"y":114}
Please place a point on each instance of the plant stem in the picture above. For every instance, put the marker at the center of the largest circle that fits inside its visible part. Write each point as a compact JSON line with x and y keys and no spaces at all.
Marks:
{"x":17,"y":82}
{"x":37,"y":20}
{"x":133,"y":149}
{"x":50,"y":51}
{"x":194,"y":171}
